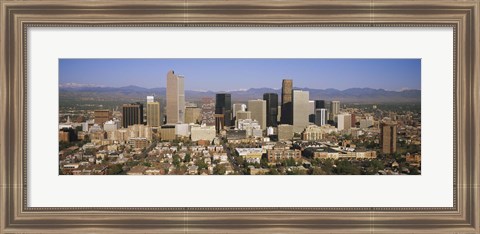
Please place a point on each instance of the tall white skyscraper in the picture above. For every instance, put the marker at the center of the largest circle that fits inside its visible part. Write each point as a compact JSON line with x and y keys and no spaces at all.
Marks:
{"x":301,"y":110}
{"x":175,"y":109}
{"x":258,"y":108}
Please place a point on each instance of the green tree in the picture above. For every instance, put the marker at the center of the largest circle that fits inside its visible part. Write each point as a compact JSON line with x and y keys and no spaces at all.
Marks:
{"x":290,"y":162}
{"x":317,"y":171}
{"x":264,"y":162}
{"x":346,"y":168}
{"x":219,"y":169}
{"x":115,"y":169}
{"x":187,"y":158}
{"x":273,"y":171}
{"x":176,"y":160}
{"x":328,"y":166}
{"x":201,"y":164}
{"x":373,"y":167}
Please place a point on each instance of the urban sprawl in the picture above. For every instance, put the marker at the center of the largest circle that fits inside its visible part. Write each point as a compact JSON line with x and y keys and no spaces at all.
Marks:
{"x":286,"y":135}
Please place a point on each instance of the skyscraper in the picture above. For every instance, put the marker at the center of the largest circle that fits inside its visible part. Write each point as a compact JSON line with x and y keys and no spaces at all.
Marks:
{"x":193,"y":114}
{"x":153,"y":112}
{"x":300,"y":110}
{"x":219,"y":122}
{"x":287,"y":108}
{"x":272,"y":108}
{"x":102,"y":116}
{"x":344,"y":121}
{"x":175,"y":98}
{"x":334,"y":109}
{"x":132,"y":114}
{"x":388,"y":133}
{"x":258,"y":108}
{"x":321,"y":116}
{"x":319,"y":104}
{"x":208,"y":111}
{"x":238,"y":107}
{"x":223,"y":105}
{"x":244,"y":115}
{"x":311,"y":111}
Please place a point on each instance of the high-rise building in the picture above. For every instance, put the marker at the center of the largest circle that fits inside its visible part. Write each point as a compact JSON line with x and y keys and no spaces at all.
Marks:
{"x":287,"y":108}
{"x":319,"y":104}
{"x":244,"y":115}
{"x":175,"y":98}
{"x":150,"y":99}
{"x":153,"y":112}
{"x":223,"y":106}
{"x":259,"y":111}
{"x":202,"y":132}
{"x":272,"y":108}
{"x":354,"y":120}
{"x":102,"y":116}
{"x":311,"y":111}
{"x":219,"y":122}
{"x":334,"y":109}
{"x":279,"y":115}
{"x":285,"y":132}
{"x":344,"y":121}
{"x":208,"y":111}
{"x":321,"y":116}
{"x":388,"y":133}
{"x":132,"y":114}
{"x":193,"y":115}
{"x":300,"y":110}
{"x":238,"y":107}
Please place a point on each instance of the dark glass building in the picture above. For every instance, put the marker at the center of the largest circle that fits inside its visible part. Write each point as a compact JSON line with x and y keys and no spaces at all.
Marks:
{"x":223,"y":105}
{"x":319,"y":104}
{"x":132,"y":114}
{"x":272,"y":108}
{"x":287,"y":102}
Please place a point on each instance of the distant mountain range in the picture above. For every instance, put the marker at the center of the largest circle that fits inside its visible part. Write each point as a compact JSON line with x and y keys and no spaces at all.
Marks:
{"x":357,"y":95}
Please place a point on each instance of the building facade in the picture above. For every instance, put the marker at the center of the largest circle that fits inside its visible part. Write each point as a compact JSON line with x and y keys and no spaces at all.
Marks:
{"x":102,"y":116}
{"x":193,"y":115}
{"x":321,"y":116}
{"x":202,"y":132}
{"x":258,"y":109}
{"x":287,"y":98}
{"x":175,"y":109}
{"x":301,"y":111}
{"x":132,"y":114}
{"x":344,"y":121}
{"x":223,"y":106}
{"x":279,"y":155}
{"x":334,"y":109}
{"x":388,"y":136}
{"x":272,"y":108}
{"x":320,"y":104}
{"x":153,"y":112}
{"x":285,"y":132}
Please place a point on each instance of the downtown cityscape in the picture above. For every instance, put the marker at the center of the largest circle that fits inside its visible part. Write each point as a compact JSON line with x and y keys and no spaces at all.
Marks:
{"x":253,"y":130}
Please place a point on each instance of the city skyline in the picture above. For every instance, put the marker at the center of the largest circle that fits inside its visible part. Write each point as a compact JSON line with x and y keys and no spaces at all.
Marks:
{"x":242,"y":74}
{"x":287,"y":131}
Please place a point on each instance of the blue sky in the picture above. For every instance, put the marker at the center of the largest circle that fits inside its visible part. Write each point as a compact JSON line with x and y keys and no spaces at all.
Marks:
{"x":235,"y":74}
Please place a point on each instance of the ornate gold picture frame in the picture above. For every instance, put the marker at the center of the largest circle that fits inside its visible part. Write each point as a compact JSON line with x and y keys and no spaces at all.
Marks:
{"x":17,"y":16}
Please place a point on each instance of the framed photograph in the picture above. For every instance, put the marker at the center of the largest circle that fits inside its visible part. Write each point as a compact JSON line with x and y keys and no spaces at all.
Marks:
{"x":239,"y":116}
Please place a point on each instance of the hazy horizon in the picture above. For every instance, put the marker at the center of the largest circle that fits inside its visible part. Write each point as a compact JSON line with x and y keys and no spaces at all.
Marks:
{"x":80,"y":85}
{"x":242,"y":74}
